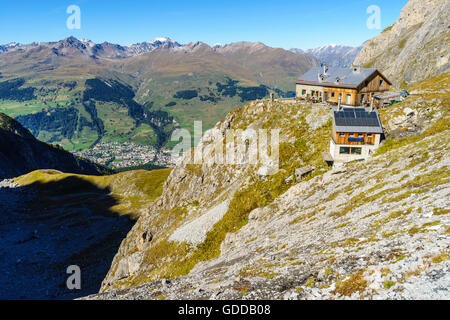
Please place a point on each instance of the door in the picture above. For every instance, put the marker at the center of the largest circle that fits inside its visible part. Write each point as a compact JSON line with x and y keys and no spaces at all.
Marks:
{"x":325,"y":96}
{"x":349,"y":99}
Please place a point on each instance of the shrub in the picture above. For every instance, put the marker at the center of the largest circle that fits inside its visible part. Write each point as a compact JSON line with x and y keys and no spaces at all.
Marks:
{"x":355,"y":283}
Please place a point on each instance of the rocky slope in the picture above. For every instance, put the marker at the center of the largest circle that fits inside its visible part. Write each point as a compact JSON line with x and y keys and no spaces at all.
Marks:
{"x":21,"y":153}
{"x":415,"y":47}
{"x":374,"y":230}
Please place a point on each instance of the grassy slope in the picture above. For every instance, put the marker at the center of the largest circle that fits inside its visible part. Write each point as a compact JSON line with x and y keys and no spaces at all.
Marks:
{"x":134,"y":190}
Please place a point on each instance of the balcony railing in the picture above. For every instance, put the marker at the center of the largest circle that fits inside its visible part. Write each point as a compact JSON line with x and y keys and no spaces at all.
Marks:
{"x":354,"y":141}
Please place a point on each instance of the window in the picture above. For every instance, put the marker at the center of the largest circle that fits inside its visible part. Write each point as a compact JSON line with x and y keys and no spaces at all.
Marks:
{"x":381,"y":83}
{"x":332,"y":94}
{"x":342,"y":135}
{"x":303,"y":92}
{"x":348,"y":150}
{"x":357,"y":151}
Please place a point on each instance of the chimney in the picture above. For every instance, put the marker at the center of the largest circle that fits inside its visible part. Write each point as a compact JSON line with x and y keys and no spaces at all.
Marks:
{"x":339,"y":102}
{"x":325,"y":69}
{"x":320,"y":77}
{"x":371,"y":104}
{"x":356,"y":69}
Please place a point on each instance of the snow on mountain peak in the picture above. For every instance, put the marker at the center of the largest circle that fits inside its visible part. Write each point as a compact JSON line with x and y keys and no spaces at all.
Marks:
{"x":161,"y":39}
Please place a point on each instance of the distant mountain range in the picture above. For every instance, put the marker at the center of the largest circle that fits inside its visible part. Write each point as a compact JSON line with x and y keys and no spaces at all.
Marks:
{"x":333,"y":55}
{"x":102,"y":50}
{"x":76,"y":93}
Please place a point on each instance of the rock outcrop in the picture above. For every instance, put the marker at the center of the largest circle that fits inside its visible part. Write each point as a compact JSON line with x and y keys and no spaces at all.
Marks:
{"x":414,"y":48}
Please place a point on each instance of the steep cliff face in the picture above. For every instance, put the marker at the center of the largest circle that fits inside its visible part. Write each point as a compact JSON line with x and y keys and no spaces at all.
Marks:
{"x":415,"y":47}
{"x":375,"y":229}
{"x":21,"y":153}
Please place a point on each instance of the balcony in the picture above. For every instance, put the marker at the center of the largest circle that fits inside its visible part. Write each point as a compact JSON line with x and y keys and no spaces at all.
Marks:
{"x":359,"y":141}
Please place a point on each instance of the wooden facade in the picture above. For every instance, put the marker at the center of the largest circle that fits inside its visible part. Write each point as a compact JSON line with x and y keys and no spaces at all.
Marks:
{"x":348,"y":96}
{"x":359,"y":95}
{"x":353,"y":138}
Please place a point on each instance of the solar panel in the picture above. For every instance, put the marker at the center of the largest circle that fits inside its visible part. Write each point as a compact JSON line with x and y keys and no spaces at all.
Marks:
{"x":356,"y":117}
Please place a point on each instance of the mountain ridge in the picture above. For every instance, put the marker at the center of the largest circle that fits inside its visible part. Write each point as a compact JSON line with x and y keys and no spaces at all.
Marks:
{"x":333,"y":55}
{"x":21,"y":153}
{"x":415,"y":47}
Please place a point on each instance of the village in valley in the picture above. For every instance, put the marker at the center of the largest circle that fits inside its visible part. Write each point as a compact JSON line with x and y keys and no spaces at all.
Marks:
{"x":126,"y":155}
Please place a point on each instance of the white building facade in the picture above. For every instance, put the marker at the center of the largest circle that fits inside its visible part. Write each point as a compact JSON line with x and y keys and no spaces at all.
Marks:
{"x":357,"y":134}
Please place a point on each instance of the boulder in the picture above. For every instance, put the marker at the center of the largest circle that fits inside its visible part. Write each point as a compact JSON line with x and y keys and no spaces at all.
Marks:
{"x":122,"y":269}
{"x":300,"y":173}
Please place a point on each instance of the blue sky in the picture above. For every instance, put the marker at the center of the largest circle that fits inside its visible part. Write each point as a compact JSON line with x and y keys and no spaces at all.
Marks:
{"x":277,"y":23}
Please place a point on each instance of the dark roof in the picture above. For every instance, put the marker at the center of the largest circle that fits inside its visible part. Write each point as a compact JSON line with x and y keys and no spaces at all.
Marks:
{"x":359,"y":120}
{"x":348,"y":77}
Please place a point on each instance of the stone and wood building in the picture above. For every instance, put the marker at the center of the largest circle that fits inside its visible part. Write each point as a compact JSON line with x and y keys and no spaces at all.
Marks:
{"x":353,"y":86}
